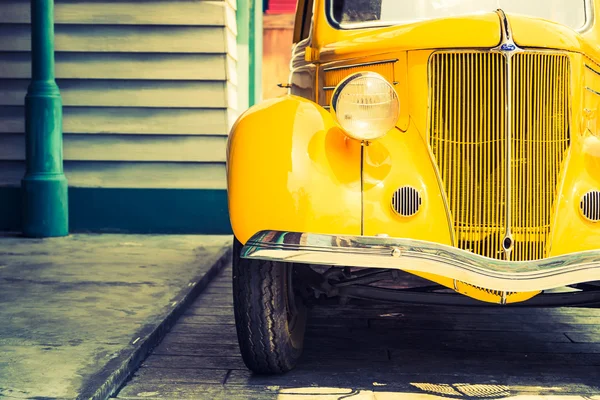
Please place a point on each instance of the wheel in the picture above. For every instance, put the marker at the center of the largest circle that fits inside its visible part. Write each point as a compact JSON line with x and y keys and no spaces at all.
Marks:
{"x":269,"y":316}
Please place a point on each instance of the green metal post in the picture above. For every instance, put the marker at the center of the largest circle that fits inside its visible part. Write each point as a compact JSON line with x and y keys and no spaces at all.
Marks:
{"x":243,"y":53}
{"x":256,"y":50}
{"x":44,"y":187}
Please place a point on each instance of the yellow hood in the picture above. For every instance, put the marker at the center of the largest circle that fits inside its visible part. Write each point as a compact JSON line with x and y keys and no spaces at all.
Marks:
{"x":471,"y":31}
{"x":474,"y":31}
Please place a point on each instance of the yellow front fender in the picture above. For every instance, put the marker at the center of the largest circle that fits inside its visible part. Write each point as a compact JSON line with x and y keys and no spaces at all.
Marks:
{"x":290,"y":167}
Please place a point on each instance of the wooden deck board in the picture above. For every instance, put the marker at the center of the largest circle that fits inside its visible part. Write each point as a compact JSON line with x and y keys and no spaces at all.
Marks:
{"x":173,"y":376}
{"x":379,"y":351}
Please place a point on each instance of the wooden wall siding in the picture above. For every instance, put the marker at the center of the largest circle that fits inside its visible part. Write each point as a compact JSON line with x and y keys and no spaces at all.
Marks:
{"x":123,"y":38}
{"x":129,"y":93}
{"x":218,"y":67}
{"x":165,"y":175}
{"x":174,"y":12}
{"x":150,"y":121}
{"x":77,"y":147}
{"x":149,"y":90}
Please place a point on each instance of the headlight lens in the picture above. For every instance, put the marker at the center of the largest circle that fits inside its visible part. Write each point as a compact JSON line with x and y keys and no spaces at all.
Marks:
{"x":365,"y":105}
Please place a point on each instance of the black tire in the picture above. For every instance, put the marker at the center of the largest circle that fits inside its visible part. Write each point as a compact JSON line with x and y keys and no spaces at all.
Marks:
{"x":270,"y":320}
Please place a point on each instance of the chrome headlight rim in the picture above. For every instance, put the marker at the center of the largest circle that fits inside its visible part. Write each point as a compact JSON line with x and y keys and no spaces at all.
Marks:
{"x":349,"y":79}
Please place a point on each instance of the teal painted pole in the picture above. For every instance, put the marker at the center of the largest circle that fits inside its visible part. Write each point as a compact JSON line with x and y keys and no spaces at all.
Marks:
{"x":256,"y":50}
{"x":243,"y":61}
{"x":44,"y":187}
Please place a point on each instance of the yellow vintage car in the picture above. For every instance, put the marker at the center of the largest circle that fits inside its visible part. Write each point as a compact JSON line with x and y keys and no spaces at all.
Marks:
{"x":457,"y":141}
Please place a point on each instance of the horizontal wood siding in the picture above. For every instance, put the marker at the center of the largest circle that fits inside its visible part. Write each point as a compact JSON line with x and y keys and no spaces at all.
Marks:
{"x":165,"y":175}
{"x":124,"y":38}
{"x":148,"y":87}
{"x":200,"y":67}
{"x":173,"y":12}
{"x":180,"y":148}
{"x":130,"y":120}
{"x":128,"y":93}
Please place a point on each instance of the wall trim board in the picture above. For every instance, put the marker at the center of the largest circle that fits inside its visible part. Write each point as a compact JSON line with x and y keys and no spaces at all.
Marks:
{"x":126,"y":12}
{"x":122,"y":148}
{"x":124,"y":39}
{"x":130,"y":120}
{"x":123,"y":210}
{"x":126,"y":66}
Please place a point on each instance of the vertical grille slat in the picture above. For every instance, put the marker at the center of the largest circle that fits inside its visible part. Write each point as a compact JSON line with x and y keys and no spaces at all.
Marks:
{"x":468,"y":138}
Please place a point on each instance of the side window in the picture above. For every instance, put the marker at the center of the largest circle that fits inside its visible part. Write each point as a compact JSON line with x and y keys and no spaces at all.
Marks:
{"x":304,"y":13}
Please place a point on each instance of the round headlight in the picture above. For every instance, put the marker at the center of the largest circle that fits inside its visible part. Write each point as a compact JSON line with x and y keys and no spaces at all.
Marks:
{"x":365,"y":105}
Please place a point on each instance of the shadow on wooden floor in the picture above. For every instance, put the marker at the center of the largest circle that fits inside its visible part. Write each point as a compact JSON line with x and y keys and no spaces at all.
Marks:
{"x":376,"y":351}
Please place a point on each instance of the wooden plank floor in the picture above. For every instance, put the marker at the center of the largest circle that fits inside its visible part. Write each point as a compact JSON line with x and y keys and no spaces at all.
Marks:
{"x":380,"y":352}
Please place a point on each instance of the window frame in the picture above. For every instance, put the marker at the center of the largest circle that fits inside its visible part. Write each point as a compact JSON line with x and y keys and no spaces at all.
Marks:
{"x":303,"y":20}
{"x":588,"y":9}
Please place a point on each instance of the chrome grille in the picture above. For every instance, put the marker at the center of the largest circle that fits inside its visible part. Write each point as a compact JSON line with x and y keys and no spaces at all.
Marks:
{"x":468,"y":137}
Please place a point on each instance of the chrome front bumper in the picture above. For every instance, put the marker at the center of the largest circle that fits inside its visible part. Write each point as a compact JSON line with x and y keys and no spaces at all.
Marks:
{"x":420,"y":256}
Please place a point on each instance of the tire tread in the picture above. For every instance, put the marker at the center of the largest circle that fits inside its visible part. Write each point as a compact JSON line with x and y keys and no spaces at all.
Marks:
{"x":263,"y":348}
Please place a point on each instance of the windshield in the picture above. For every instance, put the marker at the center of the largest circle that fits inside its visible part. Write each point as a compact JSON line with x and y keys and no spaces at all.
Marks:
{"x":350,"y":13}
